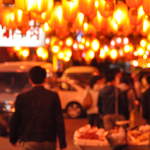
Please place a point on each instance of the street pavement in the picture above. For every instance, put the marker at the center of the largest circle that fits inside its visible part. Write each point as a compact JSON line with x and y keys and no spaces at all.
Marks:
{"x":71,"y":126}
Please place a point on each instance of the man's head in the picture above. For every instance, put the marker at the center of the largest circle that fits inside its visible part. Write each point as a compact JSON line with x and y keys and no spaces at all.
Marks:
{"x":37,"y":75}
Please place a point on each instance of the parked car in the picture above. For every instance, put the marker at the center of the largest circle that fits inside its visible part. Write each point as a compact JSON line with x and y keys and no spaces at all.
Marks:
{"x":13,"y":80}
{"x":82,"y":74}
{"x":71,"y":95}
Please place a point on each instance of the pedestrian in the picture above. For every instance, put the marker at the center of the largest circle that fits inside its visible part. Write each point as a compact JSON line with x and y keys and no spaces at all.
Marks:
{"x":92,"y":112}
{"x":37,"y":120}
{"x":145,"y":98}
{"x":113,"y":106}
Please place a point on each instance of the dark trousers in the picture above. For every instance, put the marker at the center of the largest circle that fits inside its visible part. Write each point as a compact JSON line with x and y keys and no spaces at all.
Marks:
{"x":38,"y":145}
{"x":95,"y":120}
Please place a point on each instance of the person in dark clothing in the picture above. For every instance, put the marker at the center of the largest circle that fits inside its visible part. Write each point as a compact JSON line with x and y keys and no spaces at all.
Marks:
{"x":37,"y":120}
{"x":112,"y":101}
{"x":145,"y":98}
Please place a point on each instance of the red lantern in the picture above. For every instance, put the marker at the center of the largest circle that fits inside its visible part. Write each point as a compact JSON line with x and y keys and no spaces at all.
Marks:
{"x":133,"y":15}
{"x":107,"y":7}
{"x":87,"y":7}
{"x":134,"y":3}
{"x":146,"y":6}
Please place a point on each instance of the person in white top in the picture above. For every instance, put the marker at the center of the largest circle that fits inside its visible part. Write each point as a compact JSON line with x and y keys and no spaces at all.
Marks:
{"x":92,"y":111}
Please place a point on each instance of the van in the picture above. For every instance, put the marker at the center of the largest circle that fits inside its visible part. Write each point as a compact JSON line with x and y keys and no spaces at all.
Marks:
{"x":82,"y":74}
{"x":13,"y":80}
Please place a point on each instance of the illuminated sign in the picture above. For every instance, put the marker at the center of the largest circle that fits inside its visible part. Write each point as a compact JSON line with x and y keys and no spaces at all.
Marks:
{"x":34,"y":37}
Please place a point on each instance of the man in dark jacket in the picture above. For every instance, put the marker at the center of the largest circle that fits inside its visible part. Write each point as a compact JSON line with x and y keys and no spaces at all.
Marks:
{"x":37,"y":120}
{"x":112,"y":104}
{"x":146,"y":98}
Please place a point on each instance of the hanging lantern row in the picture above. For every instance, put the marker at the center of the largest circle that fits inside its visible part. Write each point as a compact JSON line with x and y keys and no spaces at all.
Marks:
{"x":92,"y":17}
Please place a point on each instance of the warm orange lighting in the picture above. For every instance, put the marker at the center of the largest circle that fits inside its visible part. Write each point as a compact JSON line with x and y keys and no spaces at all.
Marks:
{"x":87,"y":43}
{"x":46,"y":27}
{"x":55,"y":49}
{"x":90,"y":54}
{"x":95,"y":45}
{"x":128,"y":48}
{"x":148,"y":46}
{"x":42,"y":52}
{"x":135,"y":63}
{"x":25,"y":53}
{"x":69,"y":41}
{"x":60,"y":55}
{"x":146,"y":24}
{"x":103,"y":53}
{"x":143,"y":43}
{"x":113,"y":54}
{"x":79,"y":20}
{"x":140,"y":51}
{"x":121,"y":14}
{"x":70,"y":9}
{"x":68,"y":53}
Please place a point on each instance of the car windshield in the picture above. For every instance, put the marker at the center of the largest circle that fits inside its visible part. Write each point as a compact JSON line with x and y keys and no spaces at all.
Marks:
{"x":13,"y":81}
{"x":82,"y":78}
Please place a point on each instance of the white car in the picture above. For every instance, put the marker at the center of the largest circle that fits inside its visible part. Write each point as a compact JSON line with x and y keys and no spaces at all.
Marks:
{"x":82,"y":74}
{"x":71,"y":95}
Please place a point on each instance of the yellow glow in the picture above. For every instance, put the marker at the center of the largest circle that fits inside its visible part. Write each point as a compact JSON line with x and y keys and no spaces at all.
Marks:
{"x":83,"y":40}
{"x":60,"y":55}
{"x":119,"y":40}
{"x":66,"y":59}
{"x":19,"y":15}
{"x":112,"y":43}
{"x":25,"y":53}
{"x":148,"y":65}
{"x":102,"y":54}
{"x":75,"y":46}
{"x":113,"y":54}
{"x":140,"y":51}
{"x":30,"y":4}
{"x":42,"y":52}
{"x":135,"y":63}
{"x":50,"y":5}
{"x":90,"y":54}
{"x":69,"y":41}
{"x":85,"y":27}
{"x":113,"y":24}
{"x":145,"y":56}
{"x":148,"y":46}
{"x":17,"y":48}
{"x":46,"y":27}
{"x":81,"y":46}
{"x":12,"y":16}
{"x":141,"y":12}
{"x":87,"y":43}
{"x":61,"y":43}
{"x":128,"y":48}
{"x":80,"y":19}
{"x":68,"y":53}
{"x":143,"y":43}
{"x":96,"y":3}
{"x":55,"y":49}
{"x":95,"y":45}
{"x":120,"y":15}
{"x":146,"y":25}
{"x":125,"y":40}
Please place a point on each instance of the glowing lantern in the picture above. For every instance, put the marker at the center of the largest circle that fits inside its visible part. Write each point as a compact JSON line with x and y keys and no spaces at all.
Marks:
{"x":146,"y":25}
{"x":106,"y":7}
{"x":146,"y":6}
{"x":134,"y":3}
{"x":70,"y":9}
{"x":78,"y":22}
{"x":8,"y":18}
{"x":140,"y":51}
{"x":87,"y":7}
{"x":69,"y":41}
{"x":68,"y":53}
{"x":135,"y":19}
{"x":103,"y":53}
{"x":113,"y":54}
{"x":148,"y":47}
{"x":32,"y":5}
{"x":24,"y":53}
{"x":46,"y":27}
{"x":95,"y":45}
{"x":60,"y":55}
{"x":143,"y":43}
{"x":42,"y":52}
{"x":121,"y":14}
{"x":55,"y":49}
{"x":128,"y":48}
{"x":113,"y":24}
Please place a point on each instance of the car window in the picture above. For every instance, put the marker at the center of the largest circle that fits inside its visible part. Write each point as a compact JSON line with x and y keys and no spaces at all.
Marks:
{"x":13,"y":81}
{"x":66,"y":86}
